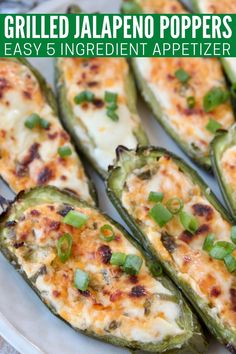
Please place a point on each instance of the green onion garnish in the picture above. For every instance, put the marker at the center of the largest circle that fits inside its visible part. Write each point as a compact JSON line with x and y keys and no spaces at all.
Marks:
{"x":155,"y":197}
{"x":132,"y":264}
{"x":34,"y":120}
{"x":75,"y":219}
{"x":44,"y":123}
{"x":111,"y":97}
{"x":64,"y":245}
{"x":111,"y":114}
{"x":64,"y":151}
{"x":230,"y":263}
{"x":156,"y":269}
{"x":191,"y":102}
{"x":233,"y":90}
{"x":188,"y":221}
{"x":112,"y":106}
{"x":106,"y":233}
{"x":81,"y":280}
{"x":182,"y":75}
{"x":221,"y":249}
{"x":215,"y":97}
{"x":208,"y":243}
{"x":233,"y":234}
{"x":84,"y":96}
{"x":174,"y":205}
{"x":118,"y":259}
{"x":212,"y":126}
{"x":160,"y":214}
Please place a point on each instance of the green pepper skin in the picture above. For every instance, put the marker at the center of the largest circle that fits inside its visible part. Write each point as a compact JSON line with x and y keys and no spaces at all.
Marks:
{"x":127,"y":160}
{"x":192,"y":342}
{"x":51,"y":100}
{"x":223,"y":141}
{"x":68,"y":117}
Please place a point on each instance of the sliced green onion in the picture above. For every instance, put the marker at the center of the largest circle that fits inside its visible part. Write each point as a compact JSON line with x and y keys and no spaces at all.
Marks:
{"x":81,"y":280}
{"x":230,"y":263}
{"x":221,"y":249}
{"x":182,"y":75}
{"x":64,"y":151}
{"x":191,"y":102}
{"x":156,"y":269}
{"x":44,"y":123}
{"x":111,"y":114}
{"x":155,"y":197}
{"x":208,"y":243}
{"x":75,"y":219}
{"x":112,"y":106}
{"x":118,"y":258}
{"x":32,"y":121}
{"x":233,"y":234}
{"x":233,"y":90}
{"x":212,"y":126}
{"x":64,"y":245}
{"x":106,"y":233}
{"x":160,"y":214}
{"x":215,"y":97}
{"x":188,"y":221}
{"x":132,"y":264}
{"x":84,"y":96}
{"x":175,"y":205}
{"x":111,"y":97}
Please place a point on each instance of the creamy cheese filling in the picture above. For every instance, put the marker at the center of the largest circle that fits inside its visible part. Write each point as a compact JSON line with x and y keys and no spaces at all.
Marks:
{"x":99,"y":133}
{"x":217,"y":7}
{"x":209,"y":278}
{"x":110,"y":305}
{"x":27,"y":154}
{"x":171,"y":95}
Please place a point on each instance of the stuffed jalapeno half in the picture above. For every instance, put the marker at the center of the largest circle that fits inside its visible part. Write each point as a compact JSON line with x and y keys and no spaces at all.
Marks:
{"x":97,"y":101}
{"x":34,"y":148}
{"x":174,"y":216}
{"x":85,"y":268}
{"x":188,"y":96}
{"x":223,"y":155}
{"x":219,"y":7}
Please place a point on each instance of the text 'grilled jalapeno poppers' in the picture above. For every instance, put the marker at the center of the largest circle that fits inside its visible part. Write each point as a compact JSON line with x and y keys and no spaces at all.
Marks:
{"x":34,"y":148}
{"x":224,"y":163}
{"x":187,"y":95}
{"x":174,"y":215}
{"x":86,"y":270}
{"x":219,"y":7}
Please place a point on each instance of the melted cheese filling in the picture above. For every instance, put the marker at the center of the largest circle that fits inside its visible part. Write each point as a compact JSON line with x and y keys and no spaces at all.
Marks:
{"x":108,"y":306}
{"x":208,"y":277}
{"x":228,"y":166}
{"x":29,"y":157}
{"x":217,"y":7}
{"x":161,"y":6}
{"x":99,"y":133}
{"x":189,"y":124}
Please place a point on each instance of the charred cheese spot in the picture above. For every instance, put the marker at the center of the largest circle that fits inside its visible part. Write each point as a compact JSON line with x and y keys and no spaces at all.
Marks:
{"x":208,"y":277}
{"x":92,"y":125}
{"x":30,"y":157}
{"x":112,"y":302}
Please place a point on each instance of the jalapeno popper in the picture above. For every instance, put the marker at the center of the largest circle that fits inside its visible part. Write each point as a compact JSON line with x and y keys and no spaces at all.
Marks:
{"x":224,"y":163}
{"x":174,"y":215}
{"x":98,"y":105}
{"x":219,"y":7}
{"x":187,"y":95}
{"x":85,"y":268}
{"x":34,"y":148}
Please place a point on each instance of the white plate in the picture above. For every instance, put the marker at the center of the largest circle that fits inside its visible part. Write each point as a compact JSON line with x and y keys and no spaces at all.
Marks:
{"x":24,"y":321}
